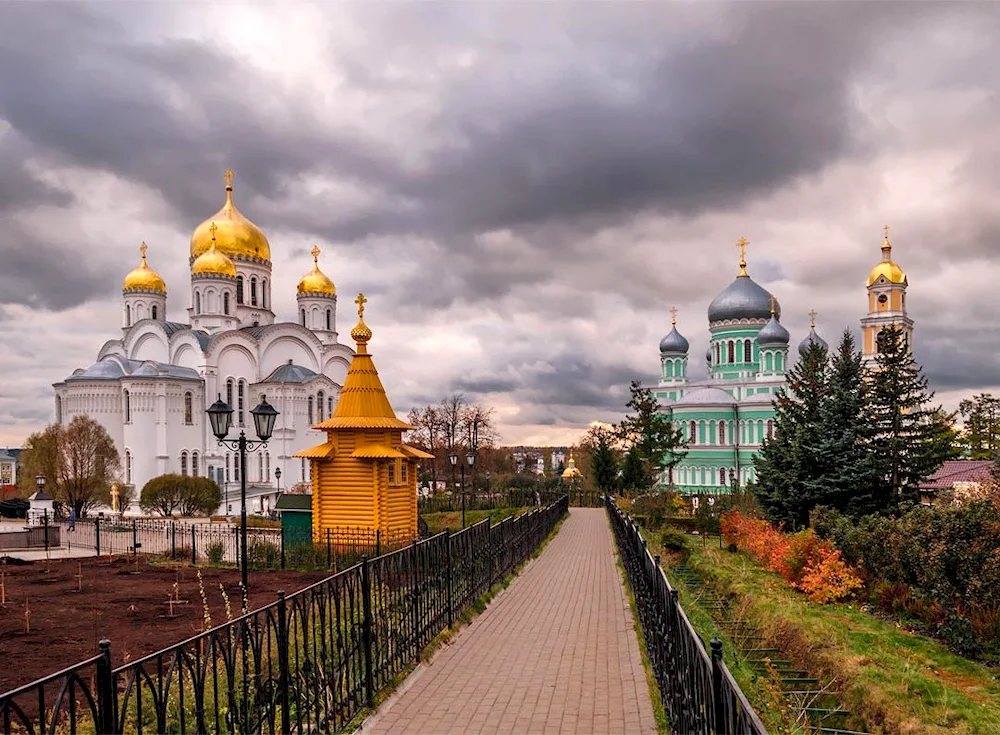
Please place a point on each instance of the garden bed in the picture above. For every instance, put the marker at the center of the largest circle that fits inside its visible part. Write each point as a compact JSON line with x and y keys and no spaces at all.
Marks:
{"x":68,"y":616}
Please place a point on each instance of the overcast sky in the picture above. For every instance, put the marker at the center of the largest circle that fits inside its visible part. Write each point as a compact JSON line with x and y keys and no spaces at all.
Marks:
{"x":522,"y":190}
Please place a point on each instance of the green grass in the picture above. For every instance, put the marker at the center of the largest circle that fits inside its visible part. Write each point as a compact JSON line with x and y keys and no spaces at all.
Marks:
{"x":452,"y":520}
{"x":896,"y":680}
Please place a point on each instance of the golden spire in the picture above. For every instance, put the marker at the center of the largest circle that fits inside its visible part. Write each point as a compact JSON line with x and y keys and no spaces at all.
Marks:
{"x":673,"y":321}
{"x":812,"y":318}
{"x":742,"y":245}
{"x":361,"y":332}
{"x":774,"y":308}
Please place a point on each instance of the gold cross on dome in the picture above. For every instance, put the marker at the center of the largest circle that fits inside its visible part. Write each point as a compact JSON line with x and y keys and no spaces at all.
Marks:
{"x":774,"y":306}
{"x":742,"y":245}
{"x":228,"y":176}
{"x":812,"y":318}
{"x":886,"y":231}
{"x":673,"y":315}
{"x":212,"y":228}
{"x":143,"y":248}
{"x":315,"y":254}
{"x":361,"y":301}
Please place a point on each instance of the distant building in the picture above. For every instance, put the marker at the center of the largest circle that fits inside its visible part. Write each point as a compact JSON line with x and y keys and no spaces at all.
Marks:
{"x":9,"y":471}
{"x":968,"y":479}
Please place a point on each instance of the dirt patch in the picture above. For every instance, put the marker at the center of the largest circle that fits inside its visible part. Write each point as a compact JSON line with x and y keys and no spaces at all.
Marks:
{"x":128,"y":608}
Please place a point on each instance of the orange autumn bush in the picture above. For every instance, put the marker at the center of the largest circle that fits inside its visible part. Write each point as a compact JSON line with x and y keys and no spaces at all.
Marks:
{"x":804,"y":560}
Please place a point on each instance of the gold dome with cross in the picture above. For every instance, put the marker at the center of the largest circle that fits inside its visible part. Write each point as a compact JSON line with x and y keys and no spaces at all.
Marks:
{"x":144,"y":278}
{"x":316,"y":281}
{"x":235,"y":236}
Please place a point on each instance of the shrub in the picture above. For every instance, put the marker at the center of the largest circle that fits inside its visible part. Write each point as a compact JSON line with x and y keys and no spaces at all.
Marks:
{"x":263,"y":554}
{"x":215,"y":552}
{"x":960,"y":637}
{"x":673,"y":540}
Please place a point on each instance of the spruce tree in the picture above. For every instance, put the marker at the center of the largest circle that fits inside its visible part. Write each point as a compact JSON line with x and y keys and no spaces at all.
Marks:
{"x":603,"y":463}
{"x":651,"y":435}
{"x":847,"y":481}
{"x":790,"y":462}
{"x":911,"y":439}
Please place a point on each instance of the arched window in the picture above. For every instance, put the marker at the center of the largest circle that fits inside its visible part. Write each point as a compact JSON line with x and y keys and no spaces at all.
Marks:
{"x":154,"y":312}
{"x":329,"y":320}
{"x":194,"y":464}
{"x":267,"y":466}
{"x":263,"y":293}
{"x":58,"y":410}
{"x":722,"y":475}
{"x":329,"y":405}
{"x":128,"y":315}
{"x":197,"y":302}
{"x":128,"y":466}
{"x":253,"y":291}
{"x":241,"y":393}
{"x":188,"y":408}
{"x":128,"y":408}
{"x":319,"y":405}
{"x":722,"y":432}
{"x":236,"y":467}
{"x":225,"y":303}
{"x":229,"y":392}
{"x":184,"y":463}
{"x":747,"y":351}
{"x":260,"y":467}
{"x":239,"y":289}
{"x":730,"y":352}
{"x":302,"y":316}
{"x":227,"y":466}
{"x":693,"y":432}
{"x":311,"y":421}
{"x":770,"y":428}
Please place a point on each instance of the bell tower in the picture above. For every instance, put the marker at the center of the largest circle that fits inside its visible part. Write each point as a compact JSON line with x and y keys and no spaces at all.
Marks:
{"x":886,"y":302}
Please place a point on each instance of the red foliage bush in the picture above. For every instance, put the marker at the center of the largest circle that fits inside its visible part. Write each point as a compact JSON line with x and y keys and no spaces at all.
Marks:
{"x":807,"y":562}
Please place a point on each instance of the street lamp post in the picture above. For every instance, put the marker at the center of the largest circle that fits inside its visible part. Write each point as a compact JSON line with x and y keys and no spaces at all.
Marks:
{"x":40,"y":484}
{"x":277,"y":478}
{"x":454,"y":461}
{"x":470,"y":457}
{"x":221,"y":416}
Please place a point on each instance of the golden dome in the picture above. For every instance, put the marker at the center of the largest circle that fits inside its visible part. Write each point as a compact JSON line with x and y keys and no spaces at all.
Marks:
{"x":361,"y":333}
{"x":887,"y":268}
{"x":212,"y":261}
{"x":236,"y":235}
{"x":144,"y":278}
{"x":571,"y":471}
{"x":317,"y":281}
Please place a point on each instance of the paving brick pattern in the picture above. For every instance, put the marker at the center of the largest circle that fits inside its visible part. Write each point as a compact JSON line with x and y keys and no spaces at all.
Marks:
{"x":554,"y":653}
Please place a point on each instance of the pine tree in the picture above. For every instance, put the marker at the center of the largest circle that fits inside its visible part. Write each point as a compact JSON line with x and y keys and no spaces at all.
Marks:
{"x":603,"y":463}
{"x":634,"y":479}
{"x":790,"y":462}
{"x":981,"y":414}
{"x":847,"y":481}
{"x":651,"y":435}
{"x":911,"y":439}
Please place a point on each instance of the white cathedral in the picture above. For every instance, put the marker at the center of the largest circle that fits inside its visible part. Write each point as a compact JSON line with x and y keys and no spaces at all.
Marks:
{"x":150,"y":387}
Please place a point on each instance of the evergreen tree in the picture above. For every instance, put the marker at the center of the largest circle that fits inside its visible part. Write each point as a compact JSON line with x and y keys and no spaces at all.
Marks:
{"x":911,"y":439}
{"x":603,"y":463}
{"x":981,"y":415}
{"x":650,"y":435}
{"x":790,"y":463}
{"x":634,"y":479}
{"x":847,"y":482}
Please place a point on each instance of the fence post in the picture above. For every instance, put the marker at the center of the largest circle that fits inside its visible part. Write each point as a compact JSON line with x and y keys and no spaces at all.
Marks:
{"x":489,"y":553}
{"x":97,"y":535}
{"x":283,"y":663}
{"x":415,"y":560}
{"x":329,"y":550}
{"x":718,"y":710}
{"x":236,"y":541}
{"x":107,"y":695}
{"x":173,"y":540}
{"x":366,"y":591}
{"x":282,"y":546}
{"x":378,"y":542}
{"x":194,"y":540}
{"x":447,"y":557}
{"x":135,"y":537}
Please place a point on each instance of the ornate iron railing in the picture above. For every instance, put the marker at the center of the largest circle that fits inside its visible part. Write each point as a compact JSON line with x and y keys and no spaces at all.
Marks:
{"x":698,"y":691}
{"x":308,"y":662}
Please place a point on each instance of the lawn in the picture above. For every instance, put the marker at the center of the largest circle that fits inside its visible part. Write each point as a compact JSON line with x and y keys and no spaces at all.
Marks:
{"x":896,"y":680}
{"x":452,"y":521}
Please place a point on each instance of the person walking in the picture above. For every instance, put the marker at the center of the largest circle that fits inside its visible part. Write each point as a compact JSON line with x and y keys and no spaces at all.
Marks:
{"x":72,"y":519}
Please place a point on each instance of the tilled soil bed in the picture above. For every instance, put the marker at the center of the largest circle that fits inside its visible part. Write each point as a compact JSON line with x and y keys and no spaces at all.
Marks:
{"x":67,"y":615}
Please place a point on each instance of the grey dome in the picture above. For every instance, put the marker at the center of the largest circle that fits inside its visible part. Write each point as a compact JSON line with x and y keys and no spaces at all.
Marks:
{"x":773,"y":334}
{"x":674,"y":342}
{"x":706,"y":395}
{"x":742,"y":299}
{"x":812,"y":337}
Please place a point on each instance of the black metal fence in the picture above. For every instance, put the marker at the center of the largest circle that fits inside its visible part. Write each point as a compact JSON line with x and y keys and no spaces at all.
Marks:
{"x":308,"y":662}
{"x":511,"y":498}
{"x":698,"y":691}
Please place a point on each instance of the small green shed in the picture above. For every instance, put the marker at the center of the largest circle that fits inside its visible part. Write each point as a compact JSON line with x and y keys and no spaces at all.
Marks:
{"x":296,"y":517}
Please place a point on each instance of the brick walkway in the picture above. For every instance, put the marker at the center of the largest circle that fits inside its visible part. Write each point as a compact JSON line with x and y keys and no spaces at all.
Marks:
{"x":554,"y":653}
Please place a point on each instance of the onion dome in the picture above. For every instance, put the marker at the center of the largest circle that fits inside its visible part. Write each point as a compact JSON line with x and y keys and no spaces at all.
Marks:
{"x":236,"y":237}
{"x":674,"y":342}
{"x":743,"y":298}
{"x":144,"y":278}
{"x":707,"y":396}
{"x":571,"y":470}
{"x":316,"y":282}
{"x":812,"y":337}
{"x":212,"y":261}
{"x":773,"y":333}
{"x":887,"y":268}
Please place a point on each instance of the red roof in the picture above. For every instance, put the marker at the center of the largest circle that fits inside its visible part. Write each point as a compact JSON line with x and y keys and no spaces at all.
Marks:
{"x":959,"y":470}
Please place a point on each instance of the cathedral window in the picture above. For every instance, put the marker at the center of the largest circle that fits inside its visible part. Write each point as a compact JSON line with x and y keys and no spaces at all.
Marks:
{"x":128,"y":408}
{"x":319,"y":405}
{"x":128,"y":466}
{"x":197,"y":302}
{"x":194,"y":464}
{"x":184,"y":463}
{"x":267,"y":466}
{"x":239,"y":289}
{"x":311,"y":421}
{"x":188,"y":408}
{"x":225,"y":303}
{"x":730,"y":352}
{"x":260,"y":468}
{"x":302,"y":316}
{"x":329,"y":405}
{"x":58,"y":410}
{"x":241,"y":392}
{"x":154,"y":312}
{"x":328,"y":320}
{"x":770,"y":428}
{"x":227,"y":466}
{"x":236,"y":467}
{"x":263,"y":293}
{"x":693,"y":433}
{"x":722,"y":475}
{"x":128,"y":315}
{"x":722,"y":433}
{"x":253,"y":291}
{"x":747,"y":351}
{"x":229,"y":392}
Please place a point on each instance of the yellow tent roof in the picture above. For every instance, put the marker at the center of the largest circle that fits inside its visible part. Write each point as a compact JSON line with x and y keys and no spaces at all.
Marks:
{"x":321,"y":451}
{"x":363,"y":403}
{"x":377,"y":451}
{"x":414,"y":452}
